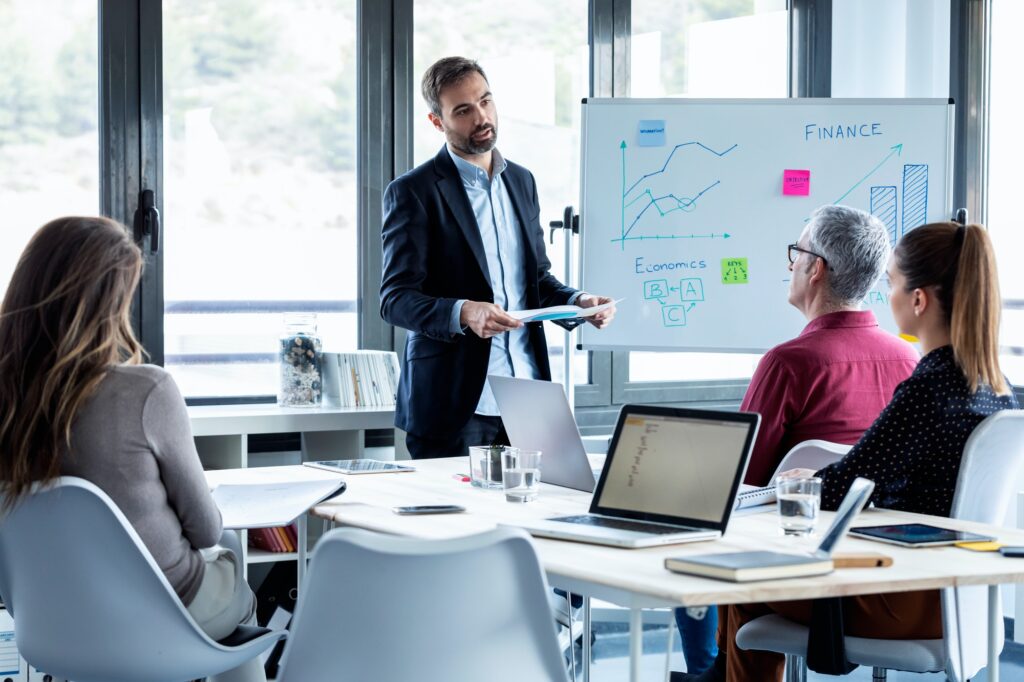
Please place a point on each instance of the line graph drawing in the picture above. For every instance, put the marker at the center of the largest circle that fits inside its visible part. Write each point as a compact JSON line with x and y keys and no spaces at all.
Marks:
{"x":641,"y":237}
{"x":681,"y":204}
{"x":915,"y":196}
{"x":664,"y":204}
{"x":668,"y":160}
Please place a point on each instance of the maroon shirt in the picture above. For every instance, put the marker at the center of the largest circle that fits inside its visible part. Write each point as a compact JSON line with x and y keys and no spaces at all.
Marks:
{"x":831,"y":382}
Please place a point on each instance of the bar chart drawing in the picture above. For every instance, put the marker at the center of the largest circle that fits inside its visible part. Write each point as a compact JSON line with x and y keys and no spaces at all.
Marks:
{"x":915,"y":196}
{"x":883,"y":206}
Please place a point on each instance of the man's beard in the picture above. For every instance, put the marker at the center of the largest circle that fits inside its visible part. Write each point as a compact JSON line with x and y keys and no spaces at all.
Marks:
{"x":466,"y":145}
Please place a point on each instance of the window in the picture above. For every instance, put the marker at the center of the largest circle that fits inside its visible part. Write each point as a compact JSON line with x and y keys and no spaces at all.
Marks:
{"x":688,"y":48}
{"x":539,"y":114}
{"x":259,"y":185}
{"x":1006,"y":148}
{"x":49,"y":136}
{"x":890,"y":48}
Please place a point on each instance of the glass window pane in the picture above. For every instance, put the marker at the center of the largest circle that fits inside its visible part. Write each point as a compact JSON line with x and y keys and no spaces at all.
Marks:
{"x":890,"y":48}
{"x":1006,"y":148}
{"x":687,"y":48}
{"x":259,"y":184}
{"x":49,"y":135}
{"x":536,"y":58}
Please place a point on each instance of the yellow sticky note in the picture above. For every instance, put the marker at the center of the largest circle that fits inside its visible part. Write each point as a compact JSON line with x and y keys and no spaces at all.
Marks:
{"x":984,"y":546}
{"x":908,"y":337}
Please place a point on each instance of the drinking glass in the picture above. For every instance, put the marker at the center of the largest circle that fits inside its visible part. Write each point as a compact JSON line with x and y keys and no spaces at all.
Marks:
{"x":520,"y":475}
{"x":485,"y":465}
{"x":799,"y":500}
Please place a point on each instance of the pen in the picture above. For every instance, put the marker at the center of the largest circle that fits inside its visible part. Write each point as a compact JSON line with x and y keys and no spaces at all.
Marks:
{"x":461,"y":477}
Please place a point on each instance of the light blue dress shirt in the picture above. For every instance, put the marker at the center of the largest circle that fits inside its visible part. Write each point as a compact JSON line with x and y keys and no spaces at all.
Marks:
{"x":503,"y":247}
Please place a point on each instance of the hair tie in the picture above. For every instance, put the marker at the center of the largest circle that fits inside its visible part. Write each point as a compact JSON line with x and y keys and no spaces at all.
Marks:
{"x":958,"y":238}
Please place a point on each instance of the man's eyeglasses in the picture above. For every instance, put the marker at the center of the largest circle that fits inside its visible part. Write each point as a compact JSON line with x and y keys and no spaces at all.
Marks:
{"x":793,"y":252}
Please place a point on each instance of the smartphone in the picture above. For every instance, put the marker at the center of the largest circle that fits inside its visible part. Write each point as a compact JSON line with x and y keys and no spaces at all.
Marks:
{"x":429,"y":509}
{"x":1017,"y":552}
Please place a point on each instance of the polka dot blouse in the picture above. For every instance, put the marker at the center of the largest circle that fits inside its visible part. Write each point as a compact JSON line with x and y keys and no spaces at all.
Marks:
{"x":912,"y":451}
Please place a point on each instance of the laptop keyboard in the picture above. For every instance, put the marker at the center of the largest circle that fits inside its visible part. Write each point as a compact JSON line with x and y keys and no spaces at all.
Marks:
{"x":623,"y":524}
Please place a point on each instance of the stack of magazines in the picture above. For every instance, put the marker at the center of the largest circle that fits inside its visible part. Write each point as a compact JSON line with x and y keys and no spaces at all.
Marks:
{"x":362,"y":378}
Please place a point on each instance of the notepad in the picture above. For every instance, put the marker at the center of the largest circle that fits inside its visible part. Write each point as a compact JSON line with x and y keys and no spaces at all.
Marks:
{"x":752,"y":496}
{"x":747,"y":566}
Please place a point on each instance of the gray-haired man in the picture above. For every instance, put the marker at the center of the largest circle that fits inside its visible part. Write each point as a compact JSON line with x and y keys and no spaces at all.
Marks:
{"x":830,"y":382}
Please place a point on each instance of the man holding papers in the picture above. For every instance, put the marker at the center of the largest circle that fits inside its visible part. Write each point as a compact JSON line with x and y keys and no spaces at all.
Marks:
{"x":462,"y":246}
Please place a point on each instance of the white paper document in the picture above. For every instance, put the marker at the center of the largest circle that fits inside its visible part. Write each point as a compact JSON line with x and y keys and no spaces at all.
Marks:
{"x":265,"y":505}
{"x":559,"y":312}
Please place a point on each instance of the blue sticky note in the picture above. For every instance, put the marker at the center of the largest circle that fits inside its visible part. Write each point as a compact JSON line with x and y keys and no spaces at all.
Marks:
{"x":650,"y":134}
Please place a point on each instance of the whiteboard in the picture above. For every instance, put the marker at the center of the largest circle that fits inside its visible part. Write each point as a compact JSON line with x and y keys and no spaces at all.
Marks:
{"x":687,"y":206}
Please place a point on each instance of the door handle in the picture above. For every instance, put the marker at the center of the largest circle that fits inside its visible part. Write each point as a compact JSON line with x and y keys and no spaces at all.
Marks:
{"x":147,"y":220}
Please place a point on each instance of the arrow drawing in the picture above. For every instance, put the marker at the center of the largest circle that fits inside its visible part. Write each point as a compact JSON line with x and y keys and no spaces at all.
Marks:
{"x":897,"y":150}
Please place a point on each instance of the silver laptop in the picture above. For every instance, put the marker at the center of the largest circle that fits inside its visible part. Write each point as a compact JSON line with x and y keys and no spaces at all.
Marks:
{"x":670,"y":477}
{"x":536,"y":416}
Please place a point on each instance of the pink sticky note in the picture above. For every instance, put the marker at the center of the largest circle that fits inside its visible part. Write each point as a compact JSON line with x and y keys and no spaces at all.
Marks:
{"x":796,"y":182}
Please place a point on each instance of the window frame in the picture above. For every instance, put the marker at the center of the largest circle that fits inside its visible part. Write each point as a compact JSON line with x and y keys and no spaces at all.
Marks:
{"x":131,"y":107}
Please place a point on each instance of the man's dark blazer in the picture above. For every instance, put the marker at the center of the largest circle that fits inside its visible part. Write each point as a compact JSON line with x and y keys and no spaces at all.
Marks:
{"x":433,"y":256}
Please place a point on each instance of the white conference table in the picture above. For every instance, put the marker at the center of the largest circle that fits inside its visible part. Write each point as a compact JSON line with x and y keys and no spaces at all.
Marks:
{"x":637,"y":579}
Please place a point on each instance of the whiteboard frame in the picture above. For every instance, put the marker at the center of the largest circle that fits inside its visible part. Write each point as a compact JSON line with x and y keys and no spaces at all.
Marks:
{"x":783,"y":101}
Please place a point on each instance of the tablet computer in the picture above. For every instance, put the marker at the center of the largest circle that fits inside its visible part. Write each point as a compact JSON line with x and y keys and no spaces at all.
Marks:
{"x":358,"y":466}
{"x":916,"y":535}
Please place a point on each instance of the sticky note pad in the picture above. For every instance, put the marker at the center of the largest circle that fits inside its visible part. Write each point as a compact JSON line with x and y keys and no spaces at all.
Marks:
{"x":983,"y":546}
{"x":734,"y":271}
{"x":796,"y":183}
{"x":650,"y":133}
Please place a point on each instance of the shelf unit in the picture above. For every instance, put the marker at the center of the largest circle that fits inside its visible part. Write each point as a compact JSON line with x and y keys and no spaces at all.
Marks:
{"x":222,"y":433}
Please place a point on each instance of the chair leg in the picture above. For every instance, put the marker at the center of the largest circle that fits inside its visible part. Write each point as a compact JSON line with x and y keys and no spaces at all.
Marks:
{"x":878,"y":674}
{"x":796,"y":669}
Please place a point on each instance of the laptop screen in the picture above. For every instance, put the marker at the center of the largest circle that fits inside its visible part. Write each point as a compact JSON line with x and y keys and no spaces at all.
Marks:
{"x":675,"y":465}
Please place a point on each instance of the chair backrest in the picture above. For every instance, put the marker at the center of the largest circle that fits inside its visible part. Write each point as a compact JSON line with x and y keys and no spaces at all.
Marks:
{"x":392,"y":609}
{"x":989,"y":470}
{"x":812,"y":454}
{"x":88,"y":600}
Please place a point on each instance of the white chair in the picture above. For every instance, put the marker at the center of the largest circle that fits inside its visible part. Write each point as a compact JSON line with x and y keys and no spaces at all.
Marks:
{"x":992,"y":458}
{"x":812,"y":454}
{"x":89,"y":602}
{"x":393,"y":609}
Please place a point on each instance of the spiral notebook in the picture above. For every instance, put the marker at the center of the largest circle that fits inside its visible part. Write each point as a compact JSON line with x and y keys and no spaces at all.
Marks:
{"x":752,"y":496}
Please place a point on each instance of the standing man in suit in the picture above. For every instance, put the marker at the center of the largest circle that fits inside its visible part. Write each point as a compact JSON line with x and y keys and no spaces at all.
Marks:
{"x":462,"y":245}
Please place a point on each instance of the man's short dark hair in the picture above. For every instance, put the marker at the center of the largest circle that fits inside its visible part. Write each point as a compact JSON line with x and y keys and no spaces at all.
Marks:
{"x":444,"y":72}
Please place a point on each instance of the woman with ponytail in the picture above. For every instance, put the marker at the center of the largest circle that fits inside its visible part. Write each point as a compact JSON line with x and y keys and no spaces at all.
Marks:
{"x":944,"y":290}
{"x":75,"y":400}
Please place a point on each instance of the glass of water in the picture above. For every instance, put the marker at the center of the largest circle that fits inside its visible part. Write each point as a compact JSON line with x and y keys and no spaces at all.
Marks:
{"x":799,"y":500}
{"x":520,"y":475}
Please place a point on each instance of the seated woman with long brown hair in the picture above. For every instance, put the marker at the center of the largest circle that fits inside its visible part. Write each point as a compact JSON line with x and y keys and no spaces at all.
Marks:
{"x":75,"y":400}
{"x":944,"y":291}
